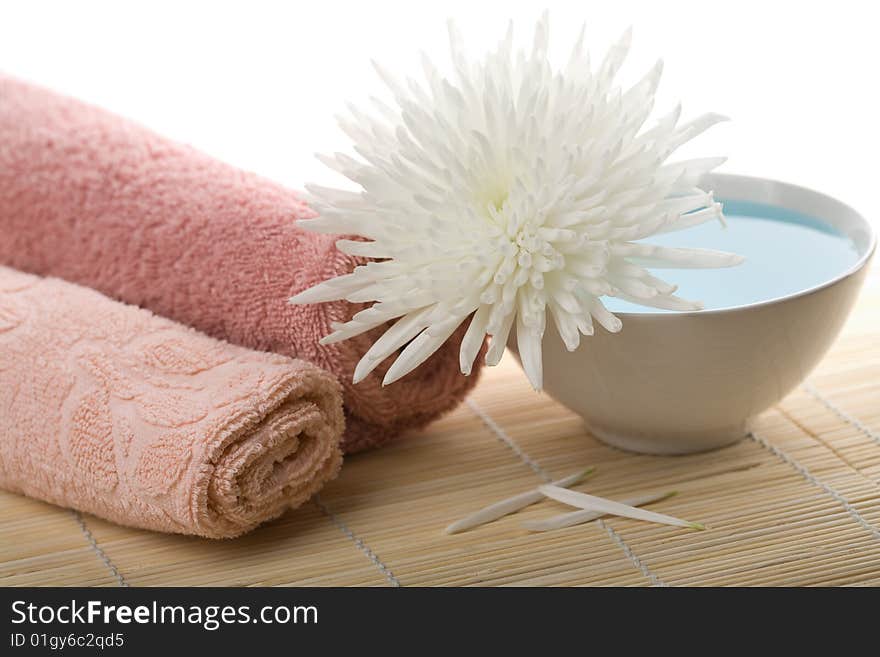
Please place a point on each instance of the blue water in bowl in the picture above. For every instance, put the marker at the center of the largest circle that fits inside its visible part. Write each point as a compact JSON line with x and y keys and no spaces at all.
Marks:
{"x":786,"y":252}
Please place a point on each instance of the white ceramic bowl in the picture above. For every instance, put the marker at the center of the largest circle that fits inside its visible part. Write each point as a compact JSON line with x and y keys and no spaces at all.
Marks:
{"x":682,"y":382}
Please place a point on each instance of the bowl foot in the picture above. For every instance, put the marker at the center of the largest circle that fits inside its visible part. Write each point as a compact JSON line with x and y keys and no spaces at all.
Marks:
{"x":670,"y":444}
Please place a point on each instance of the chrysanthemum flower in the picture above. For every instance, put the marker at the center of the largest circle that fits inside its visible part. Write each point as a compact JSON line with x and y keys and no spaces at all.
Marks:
{"x":504,"y":192}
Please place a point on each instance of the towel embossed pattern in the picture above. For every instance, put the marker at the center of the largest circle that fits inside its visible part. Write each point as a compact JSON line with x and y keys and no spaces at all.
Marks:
{"x":109,"y":409}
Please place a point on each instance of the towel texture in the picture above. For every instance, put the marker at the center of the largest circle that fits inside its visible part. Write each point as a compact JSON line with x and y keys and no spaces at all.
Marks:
{"x":109,"y":409}
{"x":100,"y":201}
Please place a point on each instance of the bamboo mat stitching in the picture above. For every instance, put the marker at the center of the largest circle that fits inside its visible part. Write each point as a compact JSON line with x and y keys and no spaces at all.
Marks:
{"x":501,"y":434}
{"x":819,"y":439}
{"x":634,"y":559}
{"x":813,"y":479}
{"x":358,"y":542}
{"x":98,"y":551}
{"x":616,"y":538}
{"x":843,"y":415}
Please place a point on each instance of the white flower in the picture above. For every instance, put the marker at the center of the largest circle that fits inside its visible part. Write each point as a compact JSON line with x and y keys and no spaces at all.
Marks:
{"x":510,"y":190}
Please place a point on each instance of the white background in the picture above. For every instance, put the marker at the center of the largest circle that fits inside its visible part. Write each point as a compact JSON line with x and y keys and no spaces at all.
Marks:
{"x":258,"y":83}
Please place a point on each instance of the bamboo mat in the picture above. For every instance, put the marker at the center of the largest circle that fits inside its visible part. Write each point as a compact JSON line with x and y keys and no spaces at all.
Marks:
{"x":796,"y":504}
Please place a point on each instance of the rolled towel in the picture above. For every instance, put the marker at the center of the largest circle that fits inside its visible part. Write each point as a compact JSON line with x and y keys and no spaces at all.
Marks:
{"x":100,"y":201}
{"x":109,"y":409}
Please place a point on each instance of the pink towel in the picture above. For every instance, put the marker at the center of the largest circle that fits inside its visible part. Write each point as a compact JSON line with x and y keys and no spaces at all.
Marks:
{"x":100,"y":201}
{"x":109,"y":409}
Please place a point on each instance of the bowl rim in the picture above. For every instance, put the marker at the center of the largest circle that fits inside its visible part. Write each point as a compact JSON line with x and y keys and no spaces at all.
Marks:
{"x":787,"y":188}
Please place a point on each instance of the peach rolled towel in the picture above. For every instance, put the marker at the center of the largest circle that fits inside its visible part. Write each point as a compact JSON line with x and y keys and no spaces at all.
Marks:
{"x":109,"y":409}
{"x":97,"y":200}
